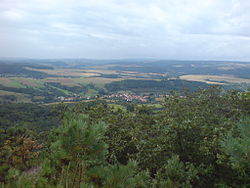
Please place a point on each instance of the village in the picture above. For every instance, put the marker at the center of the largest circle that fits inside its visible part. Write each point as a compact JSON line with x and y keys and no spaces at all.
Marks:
{"x":117,"y":96}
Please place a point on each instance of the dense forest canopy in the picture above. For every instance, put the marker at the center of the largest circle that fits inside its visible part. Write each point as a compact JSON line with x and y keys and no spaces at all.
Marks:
{"x":200,"y":140}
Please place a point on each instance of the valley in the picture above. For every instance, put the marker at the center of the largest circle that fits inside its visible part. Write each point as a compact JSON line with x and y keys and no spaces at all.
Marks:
{"x":48,"y":81}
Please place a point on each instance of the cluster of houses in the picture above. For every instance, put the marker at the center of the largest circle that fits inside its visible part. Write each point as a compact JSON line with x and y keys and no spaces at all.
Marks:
{"x":74,"y":98}
{"x":127,"y":97}
{"x":117,"y":96}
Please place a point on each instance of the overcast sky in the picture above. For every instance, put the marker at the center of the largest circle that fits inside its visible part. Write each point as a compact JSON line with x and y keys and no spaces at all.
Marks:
{"x":169,"y":29}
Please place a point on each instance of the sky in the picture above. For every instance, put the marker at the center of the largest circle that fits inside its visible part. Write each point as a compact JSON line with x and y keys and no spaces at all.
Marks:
{"x":104,"y":29}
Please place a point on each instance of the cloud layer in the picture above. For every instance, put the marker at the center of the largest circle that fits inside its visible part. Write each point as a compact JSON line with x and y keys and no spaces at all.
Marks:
{"x":171,"y":29}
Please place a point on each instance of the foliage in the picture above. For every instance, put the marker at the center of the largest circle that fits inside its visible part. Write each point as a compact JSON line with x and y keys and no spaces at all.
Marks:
{"x":153,"y":85}
{"x":33,"y":116}
{"x":237,"y":148}
{"x":19,"y":69}
{"x":19,"y":150}
{"x":197,"y":140}
{"x":175,"y":173}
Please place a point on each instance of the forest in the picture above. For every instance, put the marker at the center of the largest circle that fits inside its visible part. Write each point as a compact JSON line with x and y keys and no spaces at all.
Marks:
{"x":199,"y":140}
{"x":163,"y":85}
{"x":14,"y":69}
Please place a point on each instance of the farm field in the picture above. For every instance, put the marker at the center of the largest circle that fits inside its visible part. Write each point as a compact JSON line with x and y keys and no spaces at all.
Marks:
{"x":94,"y":72}
{"x":80,"y":81}
{"x":48,"y":83}
{"x":66,"y":72}
{"x":20,"y":82}
{"x":215,"y":79}
{"x":98,"y":81}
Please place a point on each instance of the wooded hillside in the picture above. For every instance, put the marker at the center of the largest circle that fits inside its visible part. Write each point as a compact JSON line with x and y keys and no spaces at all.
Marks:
{"x":199,"y":140}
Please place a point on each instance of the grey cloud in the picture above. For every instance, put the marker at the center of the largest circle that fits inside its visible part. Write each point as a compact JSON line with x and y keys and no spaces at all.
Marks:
{"x":174,"y":29}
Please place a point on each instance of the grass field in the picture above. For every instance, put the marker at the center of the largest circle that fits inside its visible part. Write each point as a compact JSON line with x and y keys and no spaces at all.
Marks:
{"x":214,"y":79}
